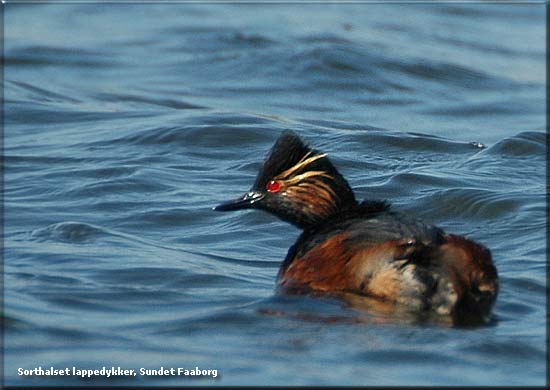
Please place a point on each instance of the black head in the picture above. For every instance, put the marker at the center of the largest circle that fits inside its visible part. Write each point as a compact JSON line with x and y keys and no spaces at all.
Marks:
{"x":297,"y":184}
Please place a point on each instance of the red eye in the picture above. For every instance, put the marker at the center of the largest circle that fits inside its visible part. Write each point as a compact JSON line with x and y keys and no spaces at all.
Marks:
{"x":273,"y":186}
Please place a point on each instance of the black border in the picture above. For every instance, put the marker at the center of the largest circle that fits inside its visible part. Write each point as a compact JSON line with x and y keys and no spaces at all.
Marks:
{"x":547,"y":197}
{"x":2,"y":125}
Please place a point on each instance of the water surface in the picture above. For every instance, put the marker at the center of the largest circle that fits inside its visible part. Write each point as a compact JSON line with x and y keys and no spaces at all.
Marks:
{"x":125,"y":124}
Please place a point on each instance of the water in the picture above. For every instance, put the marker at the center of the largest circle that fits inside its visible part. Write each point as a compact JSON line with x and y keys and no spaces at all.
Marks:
{"x":125,"y":124}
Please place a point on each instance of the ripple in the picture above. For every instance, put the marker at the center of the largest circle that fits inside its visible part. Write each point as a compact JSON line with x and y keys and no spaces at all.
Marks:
{"x":325,"y":38}
{"x":31,"y":113}
{"x":210,"y":322}
{"x":164,"y":278}
{"x":45,"y":160}
{"x":509,"y":349}
{"x":210,"y":136}
{"x":529,"y":143}
{"x":478,"y":109}
{"x":98,"y":172}
{"x":67,"y":334}
{"x":524,"y":284}
{"x":258,"y":264}
{"x":513,"y":309}
{"x":163,"y":102}
{"x":414,"y":142}
{"x":470,"y":203}
{"x":72,"y":232}
{"x":409,"y":180}
{"x":107,"y":301}
{"x":330,"y":59}
{"x":115,"y":187}
{"x":14,"y":324}
{"x":202,"y":38}
{"x":247,"y":39}
{"x":60,"y":56}
{"x":409,"y":357}
{"x":40,"y":94}
{"x":449,"y":73}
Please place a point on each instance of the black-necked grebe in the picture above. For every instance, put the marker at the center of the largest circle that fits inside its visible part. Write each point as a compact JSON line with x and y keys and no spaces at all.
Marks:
{"x":364,"y":248}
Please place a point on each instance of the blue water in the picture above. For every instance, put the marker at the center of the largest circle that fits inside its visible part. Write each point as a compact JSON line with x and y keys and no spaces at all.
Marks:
{"x":126,"y":123}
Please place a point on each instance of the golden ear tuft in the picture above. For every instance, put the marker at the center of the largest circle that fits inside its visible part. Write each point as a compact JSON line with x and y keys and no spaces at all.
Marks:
{"x":308,"y":188}
{"x":304,"y":162}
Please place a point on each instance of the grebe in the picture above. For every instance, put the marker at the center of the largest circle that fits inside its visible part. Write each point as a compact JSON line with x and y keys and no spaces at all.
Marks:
{"x":364,"y":248}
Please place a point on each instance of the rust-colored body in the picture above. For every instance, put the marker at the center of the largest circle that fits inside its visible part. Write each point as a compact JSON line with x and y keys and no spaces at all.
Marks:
{"x":455,"y":275}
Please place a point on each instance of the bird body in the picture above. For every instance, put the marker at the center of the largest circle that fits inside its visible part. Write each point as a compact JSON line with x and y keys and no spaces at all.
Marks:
{"x":365,"y":248}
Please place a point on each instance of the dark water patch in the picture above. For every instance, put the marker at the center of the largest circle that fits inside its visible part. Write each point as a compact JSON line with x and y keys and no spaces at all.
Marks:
{"x":208,"y":136}
{"x":70,"y":232}
{"x":172,"y":217}
{"x":146,"y":276}
{"x":414,"y":142}
{"x":81,"y":233}
{"x":134,"y":42}
{"x":526,"y":175}
{"x":14,"y":324}
{"x":311,"y":108}
{"x":415,"y":183}
{"x":58,"y":115}
{"x":205,"y":281}
{"x":189,"y":168}
{"x":228,"y":118}
{"x":409,"y":357}
{"x":511,"y":302}
{"x":338,"y":125}
{"x":12,"y":161}
{"x":65,"y":334}
{"x":503,"y":349}
{"x":27,"y":276}
{"x":39,"y":94}
{"x":529,"y":143}
{"x":51,"y":179}
{"x":163,"y":102}
{"x":221,"y":37}
{"x":513,"y":309}
{"x":317,"y":39}
{"x":248,"y":40}
{"x":333,"y":60}
{"x":209,"y":322}
{"x":109,"y":299}
{"x":220,"y":136}
{"x":99,"y":172}
{"x":117,"y":187}
{"x":448,"y":73}
{"x":479,"y":109}
{"x":33,"y":56}
{"x":117,"y":207}
{"x":486,"y":48}
{"x":384,"y":101}
{"x":488,"y":12}
{"x":463,"y":10}
{"x":469,"y":203}
{"x":41,"y":278}
{"x":259,"y":264}
{"x":195,"y":30}
{"x":249,"y":90}
{"x":179,"y":280}
{"x":523,"y":285}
